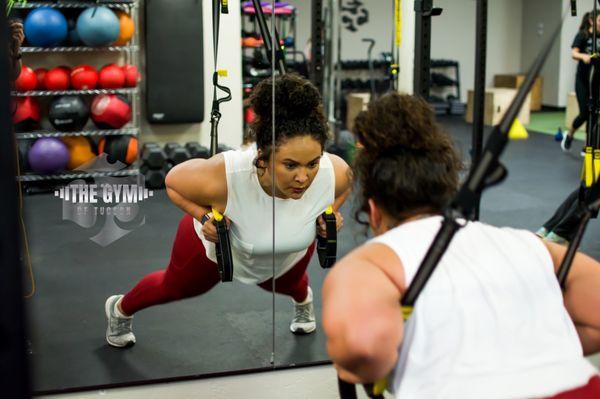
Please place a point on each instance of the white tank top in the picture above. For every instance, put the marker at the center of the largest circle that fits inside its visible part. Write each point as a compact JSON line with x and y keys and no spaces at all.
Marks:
{"x":490,"y":322}
{"x":250,"y":210}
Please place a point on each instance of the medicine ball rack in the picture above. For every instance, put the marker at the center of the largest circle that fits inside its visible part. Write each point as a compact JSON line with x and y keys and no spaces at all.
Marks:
{"x":131,"y":56}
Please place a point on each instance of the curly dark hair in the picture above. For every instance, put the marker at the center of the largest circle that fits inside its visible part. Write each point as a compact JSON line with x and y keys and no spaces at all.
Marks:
{"x":407,"y":164}
{"x":298,"y":112}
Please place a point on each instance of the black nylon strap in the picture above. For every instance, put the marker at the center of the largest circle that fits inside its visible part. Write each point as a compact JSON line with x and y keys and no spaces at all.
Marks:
{"x":327,"y":246}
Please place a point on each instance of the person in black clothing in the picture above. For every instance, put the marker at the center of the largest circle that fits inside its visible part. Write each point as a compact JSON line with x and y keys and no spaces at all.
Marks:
{"x":581,"y":50}
{"x":562,"y":226}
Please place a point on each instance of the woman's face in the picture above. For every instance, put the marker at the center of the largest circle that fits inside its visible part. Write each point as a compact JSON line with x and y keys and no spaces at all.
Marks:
{"x":296,"y":165}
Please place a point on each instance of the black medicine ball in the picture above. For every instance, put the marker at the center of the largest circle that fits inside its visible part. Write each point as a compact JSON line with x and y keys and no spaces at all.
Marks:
{"x":68,"y":113}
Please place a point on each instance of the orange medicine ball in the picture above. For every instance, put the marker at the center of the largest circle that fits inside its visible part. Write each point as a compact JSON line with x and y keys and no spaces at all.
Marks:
{"x":127,"y":28}
{"x":80,"y":151}
{"x":119,"y":148}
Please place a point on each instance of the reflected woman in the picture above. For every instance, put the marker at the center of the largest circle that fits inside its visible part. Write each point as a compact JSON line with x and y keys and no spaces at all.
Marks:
{"x":239,"y":184}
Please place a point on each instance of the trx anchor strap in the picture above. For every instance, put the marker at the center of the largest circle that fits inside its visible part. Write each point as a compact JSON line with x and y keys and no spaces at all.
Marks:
{"x":487,"y":172}
{"x":223,"y":247}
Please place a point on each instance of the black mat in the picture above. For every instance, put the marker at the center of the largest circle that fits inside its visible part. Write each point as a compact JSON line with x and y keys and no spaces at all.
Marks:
{"x":231,"y":327}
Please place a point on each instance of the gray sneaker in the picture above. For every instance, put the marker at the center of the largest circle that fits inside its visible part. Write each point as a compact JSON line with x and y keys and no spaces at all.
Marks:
{"x":304,"y":321}
{"x":119,"y":331}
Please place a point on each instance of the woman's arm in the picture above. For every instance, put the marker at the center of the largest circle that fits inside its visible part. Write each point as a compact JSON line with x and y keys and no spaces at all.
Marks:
{"x":582,"y":295}
{"x":343,"y":180}
{"x":198,"y":185}
{"x":362,"y":316}
{"x":577,"y":55}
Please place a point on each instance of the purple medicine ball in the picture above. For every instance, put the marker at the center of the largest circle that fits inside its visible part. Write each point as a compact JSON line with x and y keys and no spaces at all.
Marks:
{"x":48,"y":155}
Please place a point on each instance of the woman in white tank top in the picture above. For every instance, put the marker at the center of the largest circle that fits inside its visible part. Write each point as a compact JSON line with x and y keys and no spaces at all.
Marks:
{"x":238,"y":184}
{"x":491,"y":322}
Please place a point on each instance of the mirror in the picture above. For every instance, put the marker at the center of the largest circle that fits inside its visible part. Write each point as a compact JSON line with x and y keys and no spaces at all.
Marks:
{"x":112,"y":228}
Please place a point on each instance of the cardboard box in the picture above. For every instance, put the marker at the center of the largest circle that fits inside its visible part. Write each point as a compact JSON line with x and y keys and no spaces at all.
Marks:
{"x":572,"y":111}
{"x":356,"y":102}
{"x":497,"y":101}
{"x":515,"y":81}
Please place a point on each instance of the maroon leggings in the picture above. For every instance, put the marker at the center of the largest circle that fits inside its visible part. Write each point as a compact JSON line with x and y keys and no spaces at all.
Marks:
{"x":191,"y":273}
{"x":589,"y":391}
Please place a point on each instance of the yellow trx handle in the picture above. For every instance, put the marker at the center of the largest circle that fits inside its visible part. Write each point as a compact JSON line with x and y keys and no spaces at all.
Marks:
{"x":217,"y":215}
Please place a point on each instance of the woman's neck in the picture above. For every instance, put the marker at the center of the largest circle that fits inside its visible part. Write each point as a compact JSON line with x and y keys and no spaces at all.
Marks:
{"x":265,"y":180}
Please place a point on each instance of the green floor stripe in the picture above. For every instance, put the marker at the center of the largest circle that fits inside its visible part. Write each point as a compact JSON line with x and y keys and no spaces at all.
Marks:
{"x":549,"y":123}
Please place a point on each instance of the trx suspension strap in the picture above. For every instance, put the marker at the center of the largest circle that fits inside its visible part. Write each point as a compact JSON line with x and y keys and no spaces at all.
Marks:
{"x":589,"y":191}
{"x":488,"y":171}
{"x":223,"y":247}
{"x":326,"y":246}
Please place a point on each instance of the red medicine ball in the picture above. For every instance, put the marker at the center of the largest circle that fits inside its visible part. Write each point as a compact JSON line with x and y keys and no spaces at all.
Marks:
{"x":58,"y":79}
{"x":110,"y":111}
{"x":132,"y":75}
{"x":26,"y":80}
{"x":40,"y":73}
{"x":84,"y":77}
{"x":111,"y":77}
{"x":27,"y":113}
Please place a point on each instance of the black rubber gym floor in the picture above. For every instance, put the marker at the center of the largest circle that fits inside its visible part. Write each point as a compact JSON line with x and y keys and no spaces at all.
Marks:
{"x":231,"y":327}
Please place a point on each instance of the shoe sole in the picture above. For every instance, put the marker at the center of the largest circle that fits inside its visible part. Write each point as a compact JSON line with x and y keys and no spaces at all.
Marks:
{"x":303,"y":332}
{"x":107,"y":313}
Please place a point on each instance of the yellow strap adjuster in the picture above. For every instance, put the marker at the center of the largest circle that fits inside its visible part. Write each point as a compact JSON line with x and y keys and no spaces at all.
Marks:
{"x":222,"y":73}
{"x":329,"y":210}
{"x":406,"y":312}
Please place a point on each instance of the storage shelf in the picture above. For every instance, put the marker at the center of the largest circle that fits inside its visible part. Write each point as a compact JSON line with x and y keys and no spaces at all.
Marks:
{"x":84,"y":133}
{"x":72,"y":4}
{"x":43,"y":93}
{"x":77,"y":49}
{"x":78,"y":175}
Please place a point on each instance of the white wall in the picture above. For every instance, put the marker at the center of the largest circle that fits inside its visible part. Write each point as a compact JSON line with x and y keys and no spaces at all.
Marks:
{"x":453,"y":37}
{"x":540,"y":19}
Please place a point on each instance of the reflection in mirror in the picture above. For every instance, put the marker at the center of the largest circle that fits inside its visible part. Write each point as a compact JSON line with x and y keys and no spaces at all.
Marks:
{"x":113,"y":233}
{"x":351,"y":61}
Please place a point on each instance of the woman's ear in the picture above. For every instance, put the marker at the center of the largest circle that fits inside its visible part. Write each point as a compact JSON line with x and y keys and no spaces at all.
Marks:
{"x":375,"y":218}
{"x":260,"y":160}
